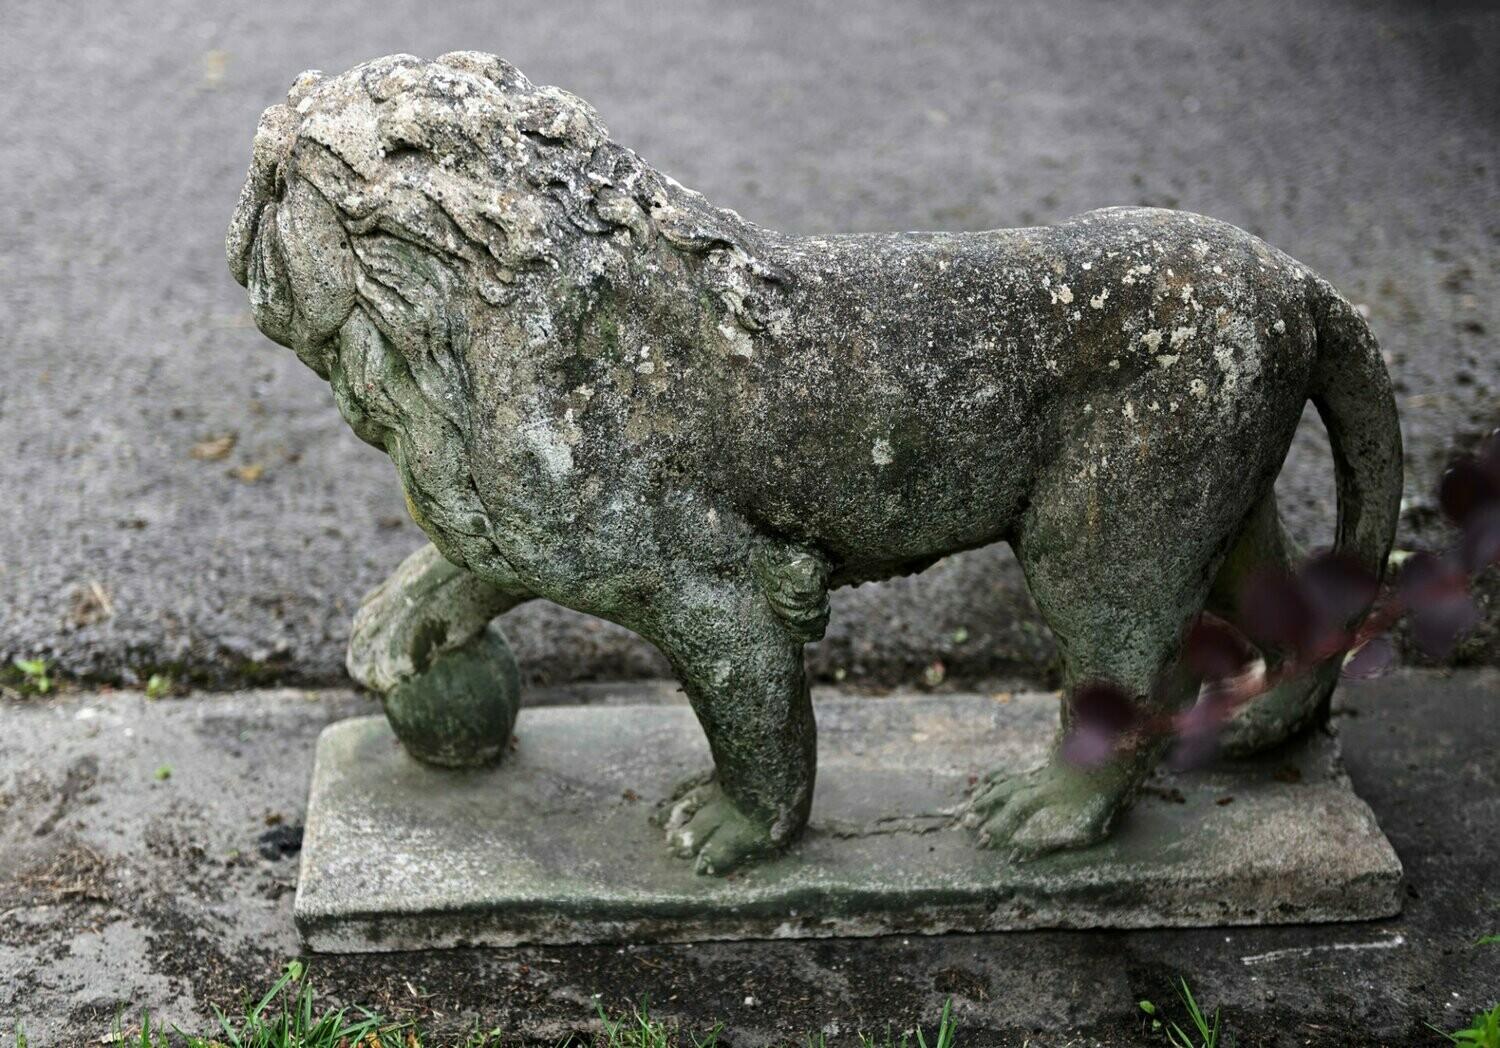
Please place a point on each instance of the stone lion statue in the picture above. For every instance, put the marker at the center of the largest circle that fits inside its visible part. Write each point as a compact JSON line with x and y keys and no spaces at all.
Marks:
{"x":600,"y":390}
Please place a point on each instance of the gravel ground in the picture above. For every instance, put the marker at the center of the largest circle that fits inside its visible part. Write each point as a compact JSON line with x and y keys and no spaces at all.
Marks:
{"x":148,"y":859}
{"x":1359,"y":137}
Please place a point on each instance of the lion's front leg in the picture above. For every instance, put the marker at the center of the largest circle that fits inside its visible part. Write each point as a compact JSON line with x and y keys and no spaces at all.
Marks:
{"x":423,"y":640}
{"x":739,"y":657}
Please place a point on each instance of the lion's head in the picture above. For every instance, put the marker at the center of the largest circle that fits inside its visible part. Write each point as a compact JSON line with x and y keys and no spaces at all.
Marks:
{"x":411,"y":193}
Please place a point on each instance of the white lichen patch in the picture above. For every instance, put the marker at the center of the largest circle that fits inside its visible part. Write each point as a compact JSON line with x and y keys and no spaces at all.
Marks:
{"x":740,"y":343}
{"x":1166,"y":360}
{"x":1134,"y":273}
{"x":1063,"y":294}
{"x":1238,"y":333}
{"x":1098,"y":300}
{"x":1151,"y":339}
{"x":1182,"y":334}
{"x":550,"y":448}
{"x":1200,"y":248}
{"x":1279,"y":327}
{"x":881,"y":453}
{"x":1198,"y":388}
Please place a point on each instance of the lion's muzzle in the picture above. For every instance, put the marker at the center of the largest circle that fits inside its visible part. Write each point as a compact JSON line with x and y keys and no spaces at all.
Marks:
{"x":273,"y":137}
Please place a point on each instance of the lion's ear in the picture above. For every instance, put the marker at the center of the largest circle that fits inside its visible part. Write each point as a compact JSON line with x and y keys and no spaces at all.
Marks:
{"x":414,"y":294}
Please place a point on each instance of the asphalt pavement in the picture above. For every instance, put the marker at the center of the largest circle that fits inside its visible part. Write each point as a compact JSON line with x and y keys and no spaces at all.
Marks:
{"x":178,"y":494}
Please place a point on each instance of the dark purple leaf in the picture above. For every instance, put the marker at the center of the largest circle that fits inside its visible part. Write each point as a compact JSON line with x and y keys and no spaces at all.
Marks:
{"x":1480,"y":545}
{"x":1198,"y":729}
{"x":1277,"y":613}
{"x":1339,"y":588}
{"x":1088,"y":747}
{"x":1197,"y":742}
{"x":1100,"y":714}
{"x":1098,"y":705}
{"x":1370,"y":660}
{"x":1214,"y":649}
{"x":1419,"y":573}
{"x":1208,"y":714}
{"x":1190,"y":752}
{"x":1465,"y":488}
{"x":1437,"y":593}
{"x":1438,"y":624}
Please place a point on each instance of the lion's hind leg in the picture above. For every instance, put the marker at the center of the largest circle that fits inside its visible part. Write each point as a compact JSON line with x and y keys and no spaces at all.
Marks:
{"x":1110,"y":631}
{"x":1118,"y":559}
{"x":1295,"y":705}
{"x":424,"y":642}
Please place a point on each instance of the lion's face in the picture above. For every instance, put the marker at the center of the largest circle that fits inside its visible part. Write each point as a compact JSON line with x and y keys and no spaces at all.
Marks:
{"x":288,"y":248}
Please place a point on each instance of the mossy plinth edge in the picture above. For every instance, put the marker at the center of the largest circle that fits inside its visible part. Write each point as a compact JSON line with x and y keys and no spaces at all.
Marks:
{"x":557,"y":843}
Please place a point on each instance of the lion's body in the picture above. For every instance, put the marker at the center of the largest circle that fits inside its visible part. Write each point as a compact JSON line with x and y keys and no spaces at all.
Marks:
{"x":601,"y":391}
{"x":888,"y":436}
{"x":1109,"y":340}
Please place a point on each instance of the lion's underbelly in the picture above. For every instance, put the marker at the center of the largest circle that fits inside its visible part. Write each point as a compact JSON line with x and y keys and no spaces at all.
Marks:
{"x":897,"y":490}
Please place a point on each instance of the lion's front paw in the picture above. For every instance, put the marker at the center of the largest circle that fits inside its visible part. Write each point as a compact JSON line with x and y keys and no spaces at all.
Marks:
{"x":1047,"y":809}
{"x":705,"y":824}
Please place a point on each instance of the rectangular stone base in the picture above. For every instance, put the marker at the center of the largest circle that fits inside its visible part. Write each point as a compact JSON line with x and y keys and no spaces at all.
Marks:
{"x":556,"y":844}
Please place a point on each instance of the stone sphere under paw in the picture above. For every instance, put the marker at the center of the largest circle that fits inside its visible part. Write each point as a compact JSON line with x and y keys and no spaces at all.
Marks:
{"x":460,"y":710}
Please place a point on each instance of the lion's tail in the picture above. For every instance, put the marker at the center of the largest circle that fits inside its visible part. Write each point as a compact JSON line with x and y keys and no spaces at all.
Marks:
{"x":1353,"y":395}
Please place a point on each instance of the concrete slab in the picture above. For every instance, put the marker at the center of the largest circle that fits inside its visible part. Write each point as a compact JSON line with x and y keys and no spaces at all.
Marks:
{"x":121,"y":891}
{"x":556,"y":846}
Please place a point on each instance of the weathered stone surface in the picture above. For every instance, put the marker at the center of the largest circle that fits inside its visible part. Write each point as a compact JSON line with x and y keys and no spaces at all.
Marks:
{"x":600,"y":390}
{"x":555,"y":845}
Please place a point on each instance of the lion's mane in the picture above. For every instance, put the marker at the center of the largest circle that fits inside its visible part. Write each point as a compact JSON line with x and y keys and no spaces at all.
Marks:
{"x":477,"y":209}
{"x":491,"y":178}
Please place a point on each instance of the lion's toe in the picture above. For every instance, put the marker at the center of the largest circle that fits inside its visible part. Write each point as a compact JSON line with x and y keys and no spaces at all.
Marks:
{"x":704,"y":825}
{"x":1051,"y":808}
